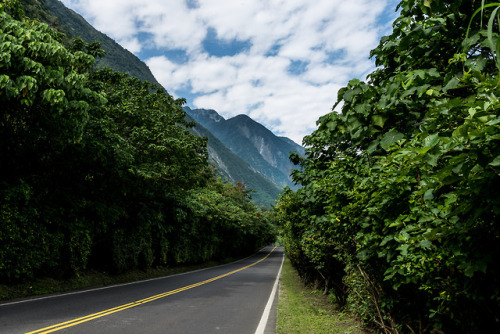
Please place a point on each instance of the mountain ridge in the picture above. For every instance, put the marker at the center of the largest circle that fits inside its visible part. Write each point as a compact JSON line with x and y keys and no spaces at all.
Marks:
{"x":234,"y":169}
{"x":253,"y":142}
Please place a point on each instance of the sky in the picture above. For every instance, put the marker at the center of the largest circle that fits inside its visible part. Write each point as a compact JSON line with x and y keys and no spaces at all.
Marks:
{"x":281,"y":62}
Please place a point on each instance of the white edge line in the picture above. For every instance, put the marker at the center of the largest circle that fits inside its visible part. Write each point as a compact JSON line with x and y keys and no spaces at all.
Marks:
{"x":118,"y":285}
{"x":267,"y":310}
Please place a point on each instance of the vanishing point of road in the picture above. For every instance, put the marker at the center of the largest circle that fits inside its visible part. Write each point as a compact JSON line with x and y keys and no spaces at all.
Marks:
{"x":232,"y":298}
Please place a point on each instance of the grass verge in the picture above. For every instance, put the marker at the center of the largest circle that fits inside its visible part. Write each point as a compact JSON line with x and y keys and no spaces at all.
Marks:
{"x":304,"y":310}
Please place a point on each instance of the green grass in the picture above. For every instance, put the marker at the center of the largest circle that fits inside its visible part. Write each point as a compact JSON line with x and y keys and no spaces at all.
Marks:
{"x":304,"y":310}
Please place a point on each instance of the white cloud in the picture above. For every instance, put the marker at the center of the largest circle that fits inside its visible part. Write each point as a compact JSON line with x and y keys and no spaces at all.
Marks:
{"x":167,"y":73}
{"x":114,"y":18}
{"x":331,"y":37}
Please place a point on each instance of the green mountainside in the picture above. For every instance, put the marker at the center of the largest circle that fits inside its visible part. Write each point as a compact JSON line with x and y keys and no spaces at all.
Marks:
{"x":37,"y":9}
{"x":254,"y":143}
{"x":233,"y":168}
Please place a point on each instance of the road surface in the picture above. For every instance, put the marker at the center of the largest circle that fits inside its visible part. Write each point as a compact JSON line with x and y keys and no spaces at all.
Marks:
{"x":224,"y":299}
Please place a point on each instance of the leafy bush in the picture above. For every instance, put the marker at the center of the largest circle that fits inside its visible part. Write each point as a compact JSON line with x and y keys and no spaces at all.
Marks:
{"x":401,"y":186}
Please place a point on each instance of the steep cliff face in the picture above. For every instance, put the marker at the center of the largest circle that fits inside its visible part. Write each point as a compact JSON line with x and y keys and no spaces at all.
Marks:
{"x":274,"y":150}
{"x":254,"y":143}
{"x":235,"y":169}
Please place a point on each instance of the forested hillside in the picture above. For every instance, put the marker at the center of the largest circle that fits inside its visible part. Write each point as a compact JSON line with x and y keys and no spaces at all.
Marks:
{"x":99,"y":170}
{"x":234,"y":169}
{"x":255,"y":144}
{"x":398,"y":214}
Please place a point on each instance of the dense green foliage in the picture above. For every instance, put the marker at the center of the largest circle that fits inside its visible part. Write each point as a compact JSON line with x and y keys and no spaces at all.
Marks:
{"x":399,"y":208}
{"x":99,"y":169}
{"x":37,"y":9}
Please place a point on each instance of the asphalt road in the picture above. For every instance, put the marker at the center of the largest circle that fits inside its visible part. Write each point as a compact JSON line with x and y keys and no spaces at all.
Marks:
{"x":224,"y":299}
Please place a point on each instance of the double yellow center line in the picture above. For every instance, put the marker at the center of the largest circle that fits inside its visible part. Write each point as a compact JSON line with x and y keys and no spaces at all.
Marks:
{"x":93,"y":316}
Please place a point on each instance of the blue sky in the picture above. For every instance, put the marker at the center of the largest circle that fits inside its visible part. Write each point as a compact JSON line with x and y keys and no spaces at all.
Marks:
{"x":279,"y":61}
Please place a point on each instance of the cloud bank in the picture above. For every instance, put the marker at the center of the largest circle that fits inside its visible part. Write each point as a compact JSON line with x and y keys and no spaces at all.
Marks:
{"x":279,"y":61}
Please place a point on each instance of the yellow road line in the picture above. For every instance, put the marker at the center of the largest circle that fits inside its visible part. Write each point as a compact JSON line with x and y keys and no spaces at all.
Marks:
{"x":93,"y":316}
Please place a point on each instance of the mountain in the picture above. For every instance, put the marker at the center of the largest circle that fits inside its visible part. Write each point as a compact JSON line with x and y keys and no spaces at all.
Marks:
{"x":254,"y":143}
{"x":235,"y":169}
{"x":70,"y":23}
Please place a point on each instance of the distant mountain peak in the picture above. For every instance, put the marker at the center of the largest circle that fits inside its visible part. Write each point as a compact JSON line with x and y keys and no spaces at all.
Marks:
{"x":253,"y":142}
{"x":242,"y":117}
{"x":212,"y":114}
{"x":209,"y":115}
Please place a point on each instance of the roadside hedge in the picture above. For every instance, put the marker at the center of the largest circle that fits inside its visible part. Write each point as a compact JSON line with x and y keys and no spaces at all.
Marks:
{"x":399,"y":207}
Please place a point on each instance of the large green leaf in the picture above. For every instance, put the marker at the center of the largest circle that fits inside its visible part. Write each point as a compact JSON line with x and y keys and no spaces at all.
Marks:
{"x":390,"y":138}
{"x":379,"y":120}
{"x":495,"y":162}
